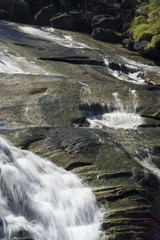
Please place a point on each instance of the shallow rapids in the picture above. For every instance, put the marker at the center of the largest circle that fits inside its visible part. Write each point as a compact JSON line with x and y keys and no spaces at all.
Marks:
{"x":121,"y":117}
{"x":42,"y":201}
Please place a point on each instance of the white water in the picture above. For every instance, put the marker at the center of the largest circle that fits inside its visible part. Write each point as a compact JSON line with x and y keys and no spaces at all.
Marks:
{"x":50,"y":34}
{"x":147,"y":162}
{"x":150,"y":68}
{"x":134,"y":76}
{"x":118,"y":118}
{"x":14,"y":63}
{"x":42,"y":201}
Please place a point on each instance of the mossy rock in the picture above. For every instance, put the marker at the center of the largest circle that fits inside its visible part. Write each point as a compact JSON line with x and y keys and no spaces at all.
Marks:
{"x":153,"y":49}
{"x":138,"y":30}
{"x":145,"y":35}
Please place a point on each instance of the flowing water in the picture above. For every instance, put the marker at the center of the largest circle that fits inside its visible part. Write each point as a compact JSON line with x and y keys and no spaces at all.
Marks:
{"x":11,"y":63}
{"x":118,"y":118}
{"x":125,"y":72}
{"x":51,"y":34}
{"x":43,"y":202}
{"x":39,"y":200}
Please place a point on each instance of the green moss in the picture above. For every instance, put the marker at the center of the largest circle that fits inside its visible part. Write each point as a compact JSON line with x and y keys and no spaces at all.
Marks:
{"x":138,"y":31}
{"x":147,"y":25}
{"x":138,"y":20}
{"x":145,"y":35}
{"x":153,"y":47}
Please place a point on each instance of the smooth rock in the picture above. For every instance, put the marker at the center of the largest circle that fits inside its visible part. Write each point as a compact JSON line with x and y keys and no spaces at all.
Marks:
{"x":106,"y":35}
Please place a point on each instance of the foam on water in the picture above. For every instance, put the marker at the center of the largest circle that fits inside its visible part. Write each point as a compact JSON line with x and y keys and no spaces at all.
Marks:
{"x":119,"y":118}
{"x":44,"y":202}
{"x":134,"y":74}
{"x":50,"y":34}
{"x":115,"y":120}
{"x":151,"y":68}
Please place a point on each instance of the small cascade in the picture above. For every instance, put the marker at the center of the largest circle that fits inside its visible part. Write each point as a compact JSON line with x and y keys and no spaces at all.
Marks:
{"x":41,"y":201}
{"x":125,"y":72}
{"x":117,"y":116}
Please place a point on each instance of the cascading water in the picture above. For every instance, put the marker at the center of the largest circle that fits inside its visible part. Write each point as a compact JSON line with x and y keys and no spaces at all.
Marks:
{"x":118,"y":118}
{"x":125,"y":72}
{"x":43,"y":202}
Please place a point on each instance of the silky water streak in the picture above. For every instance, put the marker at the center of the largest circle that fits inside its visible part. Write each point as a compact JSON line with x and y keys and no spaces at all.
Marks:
{"x":41,"y":201}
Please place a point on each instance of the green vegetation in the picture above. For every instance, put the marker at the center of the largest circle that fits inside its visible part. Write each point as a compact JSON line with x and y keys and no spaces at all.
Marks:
{"x":154,"y":46}
{"x":147,"y":25}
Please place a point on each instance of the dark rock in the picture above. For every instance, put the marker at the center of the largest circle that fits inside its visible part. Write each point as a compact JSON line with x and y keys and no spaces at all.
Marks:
{"x":6,"y":5}
{"x":36,"y":5}
{"x":106,"y":35}
{"x":64,"y":21}
{"x":125,"y":35}
{"x":129,"y":44}
{"x":104,"y":21}
{"x":4,"y":14}
{"x":44,"y":15}
{"x":20,"y":12}
{"x":87,"y":19}
{"x":141,"y":46}
{"x":76,"y":60}
{"x":127,"y":4}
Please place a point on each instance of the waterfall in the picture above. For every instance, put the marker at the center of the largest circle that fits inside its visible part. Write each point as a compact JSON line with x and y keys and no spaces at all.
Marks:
{"x":41,"y":201}
{"x":118,"y":117}
{"x":125,"y":72}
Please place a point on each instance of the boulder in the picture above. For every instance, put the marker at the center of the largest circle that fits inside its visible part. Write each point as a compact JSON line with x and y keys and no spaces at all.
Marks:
{"x":104,"y":21}
{"x":129,"y":44}
{"x":64,"y":21}
{"x":141,"y":46}
{"x":127,"y":4}
{"x":20,"y":12}
{"x":6,"y":5}
{"x":106,"y":35}
{"x":43,"y":17}
{"x":87,"y":18}
{"x":4,"y":15}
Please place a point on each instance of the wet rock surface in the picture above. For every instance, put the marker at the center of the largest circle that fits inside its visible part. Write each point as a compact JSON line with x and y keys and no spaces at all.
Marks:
{"x":44,"y":109}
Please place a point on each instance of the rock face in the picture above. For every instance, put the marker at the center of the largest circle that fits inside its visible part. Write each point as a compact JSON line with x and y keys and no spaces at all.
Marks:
{"x":60,"y":84}
{"x":64,"y":21}
{"x":43,"y":17}
{"x":20,"y":12}
{"x":104,"y":20}
{"x":113,"y":15}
